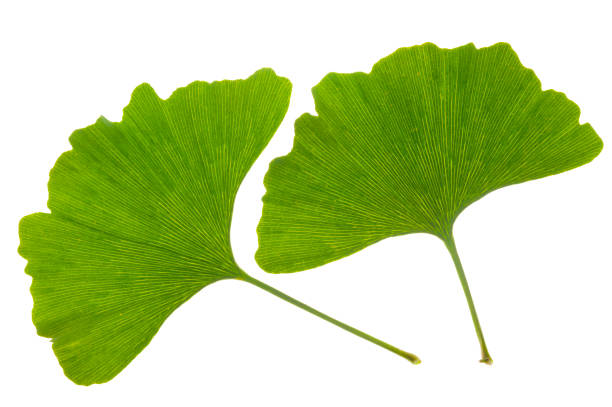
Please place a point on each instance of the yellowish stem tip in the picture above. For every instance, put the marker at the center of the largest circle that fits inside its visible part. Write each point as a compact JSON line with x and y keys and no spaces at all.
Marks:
{"x":487,"y":360}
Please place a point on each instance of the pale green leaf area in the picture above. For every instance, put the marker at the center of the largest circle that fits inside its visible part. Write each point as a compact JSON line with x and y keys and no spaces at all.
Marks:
{"x":140,"y":219}
{"x":405,"y":148}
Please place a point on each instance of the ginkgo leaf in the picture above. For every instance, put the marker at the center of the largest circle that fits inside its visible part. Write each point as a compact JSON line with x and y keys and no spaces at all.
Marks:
{"x":407,"y":147}
{"x":140,"y":218}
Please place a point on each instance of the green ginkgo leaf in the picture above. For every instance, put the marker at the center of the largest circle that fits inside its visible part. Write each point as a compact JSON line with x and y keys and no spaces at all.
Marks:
{"x":140,"y":219}
{"x":407,"y":147}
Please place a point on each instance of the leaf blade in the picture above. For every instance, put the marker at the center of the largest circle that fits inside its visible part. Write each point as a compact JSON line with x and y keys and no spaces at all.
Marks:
{"x":405,"y":148}
{"x":140,"y":217}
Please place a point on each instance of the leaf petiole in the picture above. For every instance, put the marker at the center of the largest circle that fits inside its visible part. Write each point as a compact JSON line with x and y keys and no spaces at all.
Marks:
{"x":409,"y":356}
{"x":452,"y":249}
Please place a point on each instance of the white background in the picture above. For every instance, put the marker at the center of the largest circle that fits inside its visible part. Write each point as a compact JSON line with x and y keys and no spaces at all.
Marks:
{"x":537,"y":255}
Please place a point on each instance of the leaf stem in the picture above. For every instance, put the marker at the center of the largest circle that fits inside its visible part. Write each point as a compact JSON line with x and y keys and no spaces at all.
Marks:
{"x":409,"y":356}
{"x":450,"y":245}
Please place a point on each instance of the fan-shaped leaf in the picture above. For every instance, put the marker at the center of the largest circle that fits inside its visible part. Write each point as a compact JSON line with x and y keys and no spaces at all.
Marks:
{"x":140,"y":217}
{"x":407,"y":147}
